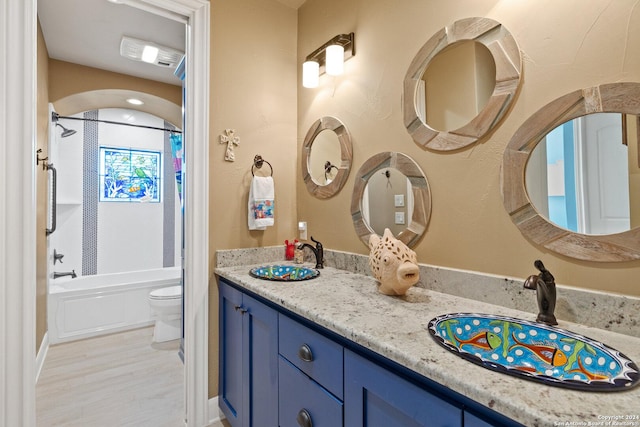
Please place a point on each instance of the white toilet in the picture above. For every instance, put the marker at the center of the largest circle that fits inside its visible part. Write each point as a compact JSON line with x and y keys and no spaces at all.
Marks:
{"x":166,"y":307}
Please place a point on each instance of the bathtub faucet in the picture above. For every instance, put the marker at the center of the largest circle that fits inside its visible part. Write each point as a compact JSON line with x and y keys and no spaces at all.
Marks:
{"x":71,"y":273}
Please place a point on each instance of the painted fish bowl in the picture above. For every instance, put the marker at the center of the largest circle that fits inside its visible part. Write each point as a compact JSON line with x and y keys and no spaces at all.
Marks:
{"x":534,"y":351}
{"x":284,"y":273}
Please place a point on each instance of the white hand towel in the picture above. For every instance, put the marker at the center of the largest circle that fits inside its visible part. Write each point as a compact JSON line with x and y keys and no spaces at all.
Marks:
{"x":261,"y":202}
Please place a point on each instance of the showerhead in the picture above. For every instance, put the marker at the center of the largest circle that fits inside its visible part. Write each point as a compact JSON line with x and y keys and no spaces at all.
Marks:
{"x":66,"y":132}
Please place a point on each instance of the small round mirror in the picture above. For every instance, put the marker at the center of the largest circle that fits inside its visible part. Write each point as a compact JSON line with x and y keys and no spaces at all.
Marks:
{"x":387,"y":201}
{"x":475,"y":65}
{"x":326,"y":157}
{"x":456,"y":85}
{"x":391,"y":191}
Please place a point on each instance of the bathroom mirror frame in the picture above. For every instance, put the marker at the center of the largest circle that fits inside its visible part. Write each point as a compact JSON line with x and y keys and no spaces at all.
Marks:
{"x":508,"y":60}
{"x":327,"y":123}
{"x":420,"y":191}
{"x":607,"y":98}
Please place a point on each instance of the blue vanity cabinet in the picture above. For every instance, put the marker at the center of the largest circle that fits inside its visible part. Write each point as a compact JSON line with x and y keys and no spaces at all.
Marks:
{"x":248,"y":389}
{"x":376,"y":397}
{"x":471,"y":420}
{"x":280,"y":370}
{"x":311,"y":377}
{"x":230,"y":324}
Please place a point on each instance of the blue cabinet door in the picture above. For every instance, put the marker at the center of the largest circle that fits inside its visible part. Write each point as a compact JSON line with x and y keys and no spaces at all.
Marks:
{"x":230,"y":397}
{"x":303,"y":402}
{"x":248,"y":374}
{"x":375,"y":397}
{"x":260,"y":331}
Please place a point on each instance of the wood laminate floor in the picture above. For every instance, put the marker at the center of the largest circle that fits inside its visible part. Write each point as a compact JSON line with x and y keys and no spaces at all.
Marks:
{"x":115,"y":380}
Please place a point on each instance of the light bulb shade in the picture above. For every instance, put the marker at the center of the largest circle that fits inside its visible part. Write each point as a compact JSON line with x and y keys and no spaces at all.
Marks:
{"x":150,"y":54}
{"x":310,"y":74}
{"x":335,"y":60}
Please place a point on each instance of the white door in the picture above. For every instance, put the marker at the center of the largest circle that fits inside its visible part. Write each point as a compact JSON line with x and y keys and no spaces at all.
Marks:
{"x":602,"y":174}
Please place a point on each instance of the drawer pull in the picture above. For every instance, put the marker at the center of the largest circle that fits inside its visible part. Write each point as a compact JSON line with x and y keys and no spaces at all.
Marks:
{"x":305,"y":354}
{"x":304,"y":418}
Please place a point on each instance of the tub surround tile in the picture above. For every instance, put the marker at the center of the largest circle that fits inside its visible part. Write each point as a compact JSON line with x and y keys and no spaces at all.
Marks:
{"x":348,"y":304}
{"x":90,"y":192}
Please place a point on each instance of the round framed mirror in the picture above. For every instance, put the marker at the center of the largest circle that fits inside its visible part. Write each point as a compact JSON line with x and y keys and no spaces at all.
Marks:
{"x":460,"y":84}
{"x":391,"y":191}
{"x":571,"y":176}
{"x":326,"y":157}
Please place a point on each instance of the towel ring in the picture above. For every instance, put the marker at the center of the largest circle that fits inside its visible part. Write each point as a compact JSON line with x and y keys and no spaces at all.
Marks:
{"x":258,"y":161}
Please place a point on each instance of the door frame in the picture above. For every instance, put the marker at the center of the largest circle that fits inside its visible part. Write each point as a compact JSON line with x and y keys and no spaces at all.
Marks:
{"x":18,"y":77}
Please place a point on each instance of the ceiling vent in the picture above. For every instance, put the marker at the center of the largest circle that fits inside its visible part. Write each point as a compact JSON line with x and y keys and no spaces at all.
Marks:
{"x":133,"y":49}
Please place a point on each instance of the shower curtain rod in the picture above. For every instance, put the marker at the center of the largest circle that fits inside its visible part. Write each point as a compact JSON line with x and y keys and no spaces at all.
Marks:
{"x":56,"y":116}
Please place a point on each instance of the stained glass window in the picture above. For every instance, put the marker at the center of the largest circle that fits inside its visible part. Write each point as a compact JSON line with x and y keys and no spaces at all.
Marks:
{"x":129,"y":175}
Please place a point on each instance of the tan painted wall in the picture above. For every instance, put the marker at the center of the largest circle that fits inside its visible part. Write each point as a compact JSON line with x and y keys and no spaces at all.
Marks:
{"x":69,"y":79}
{"x":42,"y":193}
{"x":566,"y":46}
{"x":253,"y":90}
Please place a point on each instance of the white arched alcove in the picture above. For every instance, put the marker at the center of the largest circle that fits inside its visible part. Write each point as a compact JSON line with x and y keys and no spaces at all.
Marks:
{"x":18,"y":79}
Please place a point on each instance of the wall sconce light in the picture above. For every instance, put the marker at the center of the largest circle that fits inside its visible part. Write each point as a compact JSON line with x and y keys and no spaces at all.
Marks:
{"x":310,"y":74}
{"x":328,"y":58}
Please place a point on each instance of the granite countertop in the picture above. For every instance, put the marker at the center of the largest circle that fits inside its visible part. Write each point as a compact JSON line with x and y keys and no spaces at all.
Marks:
{"x":396,"y":327}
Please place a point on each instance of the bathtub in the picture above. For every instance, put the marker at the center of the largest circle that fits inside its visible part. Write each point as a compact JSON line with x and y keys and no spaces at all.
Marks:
{"x":88,"y":306}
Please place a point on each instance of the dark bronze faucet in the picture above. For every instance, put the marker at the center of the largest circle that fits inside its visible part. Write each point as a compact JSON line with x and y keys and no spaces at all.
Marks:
{"x":71,"y":273}
{"x":317,"y":251}
{"x":545,"y":286}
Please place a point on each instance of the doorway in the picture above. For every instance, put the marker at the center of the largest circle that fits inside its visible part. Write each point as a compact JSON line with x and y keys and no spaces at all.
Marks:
{"x":17,"y":217}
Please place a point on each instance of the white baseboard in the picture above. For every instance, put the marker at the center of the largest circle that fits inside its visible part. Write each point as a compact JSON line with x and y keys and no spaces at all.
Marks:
{"x":42,"y":354}
{"x":215,"y":414}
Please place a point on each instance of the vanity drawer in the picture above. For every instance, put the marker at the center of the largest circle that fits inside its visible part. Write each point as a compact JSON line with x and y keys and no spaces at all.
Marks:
{"x":314,"y":354}
{"x":302,"y":402}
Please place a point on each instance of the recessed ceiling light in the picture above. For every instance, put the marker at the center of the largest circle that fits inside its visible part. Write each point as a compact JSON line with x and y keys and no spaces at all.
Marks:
{"x":134,"y":101}
{"x":116,"y":1}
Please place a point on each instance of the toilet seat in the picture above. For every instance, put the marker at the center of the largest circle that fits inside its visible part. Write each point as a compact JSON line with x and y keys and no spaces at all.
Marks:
{"x":170,"y":292}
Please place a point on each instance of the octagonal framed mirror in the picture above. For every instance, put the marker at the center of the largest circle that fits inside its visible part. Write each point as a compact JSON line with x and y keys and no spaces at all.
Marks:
{"x":596,"y":183}
{"x":326,"y":158}
{"x":473,"y":59}
{"x":391,"y":191}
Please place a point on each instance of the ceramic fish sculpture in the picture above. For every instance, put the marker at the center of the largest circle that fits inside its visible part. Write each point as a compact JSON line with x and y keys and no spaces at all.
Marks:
{"x":393,"y":264}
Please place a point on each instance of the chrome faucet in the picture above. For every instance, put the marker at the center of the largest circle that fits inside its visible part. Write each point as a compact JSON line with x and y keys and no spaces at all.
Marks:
{"x":545,"y":286}
{"x":71,"y":273}
{"x":318,"y":251}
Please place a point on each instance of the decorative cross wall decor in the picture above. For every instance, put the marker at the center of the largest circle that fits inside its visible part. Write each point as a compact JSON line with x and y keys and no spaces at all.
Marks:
{"x":231,"y":140}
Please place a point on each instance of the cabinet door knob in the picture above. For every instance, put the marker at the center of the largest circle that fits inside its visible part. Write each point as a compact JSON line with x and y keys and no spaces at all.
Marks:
{"x":240,"y":308}
{"x":304,"y":353}
{"x":304,"y":418}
